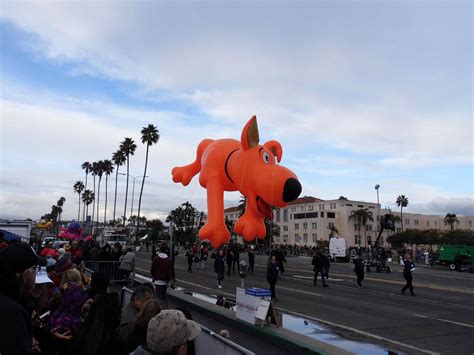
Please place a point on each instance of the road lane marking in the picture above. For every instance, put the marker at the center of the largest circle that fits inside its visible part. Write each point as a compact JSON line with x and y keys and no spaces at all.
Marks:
{"x":444,"y":320}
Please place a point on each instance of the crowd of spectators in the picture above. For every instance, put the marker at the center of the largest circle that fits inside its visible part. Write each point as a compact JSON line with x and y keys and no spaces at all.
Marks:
{"x":49,"y":305}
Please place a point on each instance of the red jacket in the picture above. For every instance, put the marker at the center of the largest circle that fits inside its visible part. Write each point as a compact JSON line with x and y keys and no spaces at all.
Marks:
{"x":161,"y":268}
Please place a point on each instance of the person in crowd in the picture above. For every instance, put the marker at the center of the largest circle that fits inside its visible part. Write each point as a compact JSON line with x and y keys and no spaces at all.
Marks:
{"x":251,"y":256}
{"x":140,"y":327}
{"x":359,"y":269}
{"x":154,"y":251}
{"x":272,"y":276}
{"x":236,"y":258}
{"x":326,"y":264}
{"x":190,"y":347}
{"x":161,"y":275}
{"x":408,"y":269}
{"x":99,"y":284}
{"x":219,"y":267}
{"x":169,"y":333}
{"x":127,"y":262}
{"x":66,"y":320}
{"x":3,"y":244}
{"x":98,"y":335}
{"x":130,"y":312}
{"x":197,"y":257}
{"x":229,"y":257}
{"x":280,"y":258}
{"x":172,"y":254}
{"x":190,"y":257}
{"x":204,"y":255}
{"x":318,"y":268}
{"x":17,"y":274}
{"x":94,"y":256}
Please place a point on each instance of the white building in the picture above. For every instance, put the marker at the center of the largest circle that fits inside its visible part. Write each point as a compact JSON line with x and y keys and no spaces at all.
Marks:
{"x":308,"y":219}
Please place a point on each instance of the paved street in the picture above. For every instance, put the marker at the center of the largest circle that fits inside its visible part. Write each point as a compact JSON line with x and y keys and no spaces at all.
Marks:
{"x":439,"y":319}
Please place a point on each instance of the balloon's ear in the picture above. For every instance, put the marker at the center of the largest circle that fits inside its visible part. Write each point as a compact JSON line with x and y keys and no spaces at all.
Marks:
{"x":275,"y":148}
{"x":249,"y":137}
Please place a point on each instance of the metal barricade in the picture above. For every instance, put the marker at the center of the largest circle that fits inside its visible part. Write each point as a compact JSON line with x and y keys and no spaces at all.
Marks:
{"x":117,"y":271}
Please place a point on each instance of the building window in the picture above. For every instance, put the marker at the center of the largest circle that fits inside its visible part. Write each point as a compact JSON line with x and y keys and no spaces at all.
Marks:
{"x":314,"y":225}
{"x":285,"y":215}
{"x":310,"y":208}
{"x":416,"y":222}
{"x":285,"y":228}
{"x":291,"y":216}
{"x":368,"y":227}
{"x":305,"y":226}
{"x":305,"y":238}
{"x":322,"y":214}
{"x":357,"y":239}
{"x":297,"y":226}
{"x":356,"y":227}
{"x":349,"y":204}
{"x":297,"y":238}
{"x":331,"y":225}
{"x":302,"y":208}
{"x":315,"y":237}
{"x":436,"y":223}
{"x":278,"y":215}
{"x":407,"y":222}
{"x":470,"y":223}
{"x":285,"y":238}
{"x":427,"y":223}
{"x":369,"y":240}
{"x":293,"y":209}
{"x":306,"y":215}
{"x":331,"y":214}
{"x":399,"y":230}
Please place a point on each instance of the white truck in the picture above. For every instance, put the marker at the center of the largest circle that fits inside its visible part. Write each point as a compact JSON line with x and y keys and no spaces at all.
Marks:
{"x":338,"y":249}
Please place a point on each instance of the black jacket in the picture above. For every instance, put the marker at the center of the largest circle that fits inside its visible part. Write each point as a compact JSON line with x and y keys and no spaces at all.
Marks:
{"x":219,"y":265}
{"x":359,"y":264}
{"x":317,"y":262}
{"x":272,"y":273}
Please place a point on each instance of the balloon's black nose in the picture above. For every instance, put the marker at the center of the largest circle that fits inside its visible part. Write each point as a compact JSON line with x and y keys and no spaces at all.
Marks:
{"x":292,"y":190}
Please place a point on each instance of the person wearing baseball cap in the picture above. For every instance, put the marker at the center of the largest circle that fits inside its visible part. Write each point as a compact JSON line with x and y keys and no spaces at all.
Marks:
{"x":168,"y":333}
{"x":16,"y":273}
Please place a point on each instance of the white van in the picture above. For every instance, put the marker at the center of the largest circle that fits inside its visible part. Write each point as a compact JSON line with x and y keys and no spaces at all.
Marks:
{"x":338,"y":248}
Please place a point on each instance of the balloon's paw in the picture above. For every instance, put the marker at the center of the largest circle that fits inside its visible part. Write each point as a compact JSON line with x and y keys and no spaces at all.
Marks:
{"x":183,"y":174}
{"x":215,"y":233}
{"x":250,"y":227}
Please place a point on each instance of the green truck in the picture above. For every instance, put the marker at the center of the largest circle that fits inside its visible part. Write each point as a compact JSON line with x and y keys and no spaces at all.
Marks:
{"x":457,"y":257}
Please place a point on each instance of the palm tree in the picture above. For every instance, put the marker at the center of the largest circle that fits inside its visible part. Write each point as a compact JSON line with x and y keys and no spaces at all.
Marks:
{"x":451,"y":219}
{"x":150,"y":136}
{"x":94,"y":170}
{"x":402,"y":201}
{"x":87,"y":167}
{"x":87,"y":198}
{"x":118,"y":159}
{"x":79,"y":187}
{"x":128,"y":147}
{"x":60,"y":205}
{"x":99,"y":172}
{"x":108,"y":168}
{"x":362,"y":216}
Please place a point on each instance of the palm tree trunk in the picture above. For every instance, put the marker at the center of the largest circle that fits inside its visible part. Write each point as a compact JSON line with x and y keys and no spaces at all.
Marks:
{"x":93,"y":206}
{"x":84,"y":209}
{"x":87,"y":209}
{"x":98,"y":200}
{"x":79,"y":209}
{"x":126,"y":193}
{"x":141,"y":190}
{"x":401,"y":216}
{"x":115,"y":198}
{"x":105,"y":211}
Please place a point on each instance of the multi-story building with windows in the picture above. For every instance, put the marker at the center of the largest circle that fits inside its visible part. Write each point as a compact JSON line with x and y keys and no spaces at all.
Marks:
{"x":308,"y":219}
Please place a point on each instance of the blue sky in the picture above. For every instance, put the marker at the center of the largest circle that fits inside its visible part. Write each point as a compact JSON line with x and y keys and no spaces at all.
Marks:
{"x":358,"y":93}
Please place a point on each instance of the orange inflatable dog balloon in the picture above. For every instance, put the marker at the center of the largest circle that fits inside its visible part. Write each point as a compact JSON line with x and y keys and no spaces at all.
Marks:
{"x":246,"y":166}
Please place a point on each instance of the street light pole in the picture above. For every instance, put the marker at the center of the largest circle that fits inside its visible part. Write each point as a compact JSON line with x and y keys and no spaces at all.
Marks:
{"x":378,"y":208}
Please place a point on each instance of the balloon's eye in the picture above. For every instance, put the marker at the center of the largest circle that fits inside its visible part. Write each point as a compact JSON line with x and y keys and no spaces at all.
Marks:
{"x":266,"y":157}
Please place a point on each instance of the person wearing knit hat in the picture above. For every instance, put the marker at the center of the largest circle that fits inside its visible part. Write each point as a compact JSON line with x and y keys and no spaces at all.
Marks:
{"x":168,"y":333}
